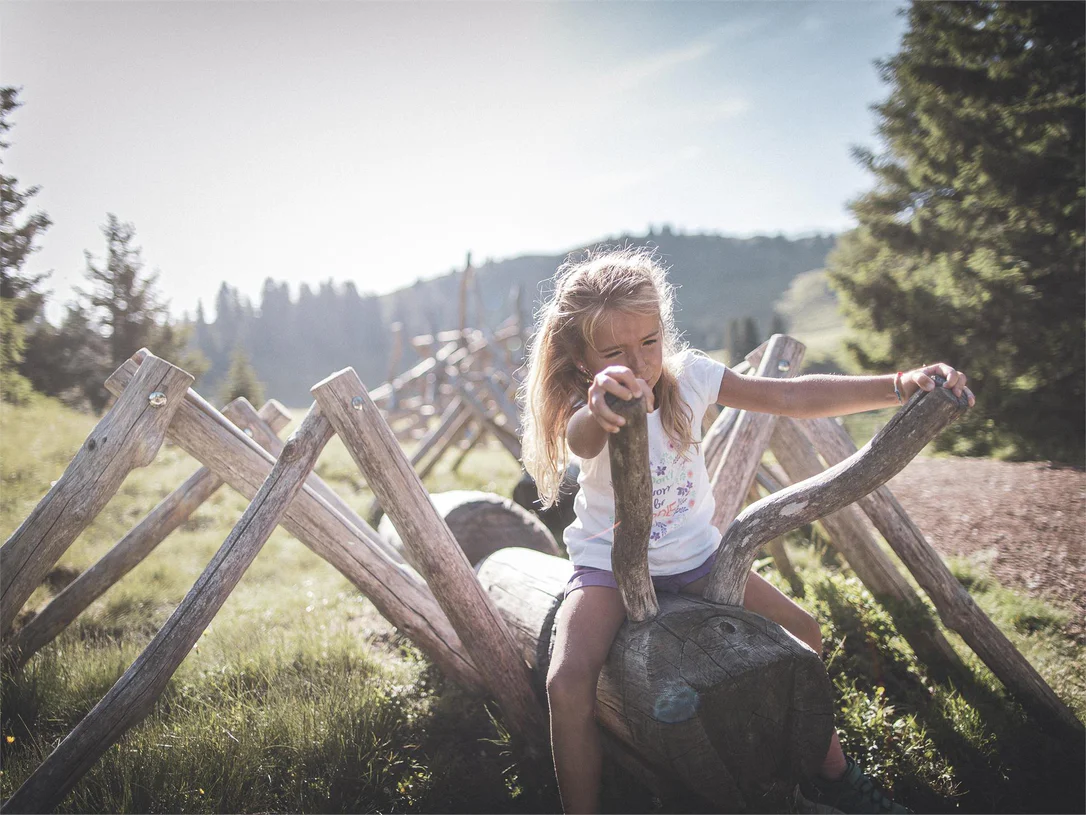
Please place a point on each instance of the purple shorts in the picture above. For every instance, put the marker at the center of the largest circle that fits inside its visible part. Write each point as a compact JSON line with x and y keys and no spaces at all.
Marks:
{"x":674,"y":583}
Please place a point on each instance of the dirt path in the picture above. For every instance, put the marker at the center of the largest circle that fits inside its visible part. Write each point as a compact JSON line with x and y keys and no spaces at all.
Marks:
{"x":1027,"y":521}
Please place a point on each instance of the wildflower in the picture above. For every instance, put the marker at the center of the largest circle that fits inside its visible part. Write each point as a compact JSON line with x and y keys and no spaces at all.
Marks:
{"x":9,"y":739}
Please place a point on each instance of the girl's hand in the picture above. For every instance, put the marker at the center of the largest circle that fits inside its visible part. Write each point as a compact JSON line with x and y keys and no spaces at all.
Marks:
{"x":619,"y":380}
{"x":921,"y":379}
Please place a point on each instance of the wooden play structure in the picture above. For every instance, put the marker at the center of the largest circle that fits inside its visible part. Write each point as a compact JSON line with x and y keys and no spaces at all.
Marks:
{"x":696,"y":692}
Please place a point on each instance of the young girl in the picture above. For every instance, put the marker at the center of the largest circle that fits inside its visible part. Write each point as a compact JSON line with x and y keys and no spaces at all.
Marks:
{"x":609,"y":328}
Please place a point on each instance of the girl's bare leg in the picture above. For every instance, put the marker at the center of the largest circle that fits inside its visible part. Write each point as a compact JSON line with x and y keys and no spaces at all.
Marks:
{"x":763,"y":598}
{"x":588,"y":620}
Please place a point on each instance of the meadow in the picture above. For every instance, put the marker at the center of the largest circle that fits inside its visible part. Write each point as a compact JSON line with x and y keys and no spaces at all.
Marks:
{"x":301,"y":698}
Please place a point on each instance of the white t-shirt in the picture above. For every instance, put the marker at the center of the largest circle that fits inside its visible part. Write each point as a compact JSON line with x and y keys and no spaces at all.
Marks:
{"x":682,"y":534}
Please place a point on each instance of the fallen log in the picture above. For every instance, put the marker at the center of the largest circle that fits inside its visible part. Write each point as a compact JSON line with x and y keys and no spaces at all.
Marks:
{"x":482,"y":523}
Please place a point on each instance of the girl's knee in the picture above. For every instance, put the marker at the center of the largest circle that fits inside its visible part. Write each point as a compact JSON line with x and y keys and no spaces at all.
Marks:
{"x":572,"y":687}
{"x":810,"y":632}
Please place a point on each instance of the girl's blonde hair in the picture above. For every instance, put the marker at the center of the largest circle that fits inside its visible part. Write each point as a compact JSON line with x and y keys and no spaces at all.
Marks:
{"x":604,"y":281}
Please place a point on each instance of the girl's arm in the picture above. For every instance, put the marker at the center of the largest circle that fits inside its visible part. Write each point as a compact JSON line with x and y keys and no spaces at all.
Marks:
{"x":815,"y":396}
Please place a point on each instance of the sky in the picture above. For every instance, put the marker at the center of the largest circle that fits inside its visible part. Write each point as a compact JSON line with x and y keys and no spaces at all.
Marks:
{"x":380,"y":142}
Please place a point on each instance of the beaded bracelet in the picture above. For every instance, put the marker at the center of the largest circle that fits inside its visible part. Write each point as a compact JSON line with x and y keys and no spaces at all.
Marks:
{"x":897,"y":387}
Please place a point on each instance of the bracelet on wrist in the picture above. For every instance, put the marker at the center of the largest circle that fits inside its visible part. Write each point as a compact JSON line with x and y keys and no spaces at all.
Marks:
{"x":897,"y":387}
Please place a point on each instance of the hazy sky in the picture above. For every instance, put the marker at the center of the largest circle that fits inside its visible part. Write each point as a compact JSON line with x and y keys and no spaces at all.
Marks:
{"x":379,"y":142}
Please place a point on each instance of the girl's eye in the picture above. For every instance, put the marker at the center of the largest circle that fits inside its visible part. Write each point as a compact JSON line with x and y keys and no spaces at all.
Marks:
{"x":653,"y":341}
{"x":612,"y":354}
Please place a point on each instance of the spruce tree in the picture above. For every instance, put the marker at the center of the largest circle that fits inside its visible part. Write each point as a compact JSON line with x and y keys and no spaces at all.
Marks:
{"x":241,"y":380}
{"x":21,"y":298}
{"x":970,"y":248}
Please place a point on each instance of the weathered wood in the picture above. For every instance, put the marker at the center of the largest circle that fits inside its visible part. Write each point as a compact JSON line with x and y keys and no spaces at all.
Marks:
{"x":129,"y":552}
{"x":241,"y":413}
{"x":447,"y":440}
{"x":775,"y":548}
{"x":723,"y":700}
{"x":746,"y":442}
{"x":397,"y":591}
{"x":467,"y":444}
{"x":628,"y":452}
{"x":135,"y":693}
{"x":503,"y":434}
{"x":128,"y":436}
{"x":870,"y":563}
{"x":482,"y":523}
{"x":884,"y":456}
{"x":453,"y":418}
{"x":956,"y":608}
{"x":359,"y":424}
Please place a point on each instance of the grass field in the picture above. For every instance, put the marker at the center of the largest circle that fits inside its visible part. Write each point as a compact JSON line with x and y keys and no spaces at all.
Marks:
{"x":301,"y":698}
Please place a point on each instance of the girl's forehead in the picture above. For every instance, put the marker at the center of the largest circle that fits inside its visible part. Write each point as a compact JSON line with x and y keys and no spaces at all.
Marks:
{"x":622,"y":328}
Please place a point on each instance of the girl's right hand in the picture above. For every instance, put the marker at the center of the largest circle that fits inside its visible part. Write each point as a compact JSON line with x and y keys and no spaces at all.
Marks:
{"x":621,"y":381}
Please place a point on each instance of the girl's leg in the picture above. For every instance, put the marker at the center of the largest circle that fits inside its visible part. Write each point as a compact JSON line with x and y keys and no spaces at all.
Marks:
{"x":588,"y":620}
{"x":763,"y":598}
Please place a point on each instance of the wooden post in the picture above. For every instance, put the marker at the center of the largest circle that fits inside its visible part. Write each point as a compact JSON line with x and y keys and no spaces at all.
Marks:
{"x":126,"y":555}
{"x":128,"y":436}
{"x":135,"y":693}
{"x":241,"y":413}
{"x":956,"y":608}
{"x":748,"y":438}
{"x":396,"y":590}
{"x":455,"y":415}
{"x":507,"y":438}
{"x":344,"y":400}
{"x":628,"y":451}
{"x":870,"y":563}
{"x":394,"y":357}
{"x":468,"y":444}
{"x":884,"y":456}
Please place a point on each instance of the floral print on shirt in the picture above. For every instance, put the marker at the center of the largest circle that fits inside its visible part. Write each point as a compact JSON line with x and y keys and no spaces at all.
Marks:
{"x":673,"y":492}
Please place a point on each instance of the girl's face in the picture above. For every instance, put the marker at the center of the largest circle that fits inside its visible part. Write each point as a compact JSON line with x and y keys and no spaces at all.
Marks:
{"x":633,"y":340}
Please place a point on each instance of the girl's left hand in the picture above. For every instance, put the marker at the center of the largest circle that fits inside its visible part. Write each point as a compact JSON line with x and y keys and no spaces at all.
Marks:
{"x":921,"y":379}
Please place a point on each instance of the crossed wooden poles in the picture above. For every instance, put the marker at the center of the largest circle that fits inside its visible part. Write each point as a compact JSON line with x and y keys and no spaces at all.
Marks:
{"x":470,"y":632}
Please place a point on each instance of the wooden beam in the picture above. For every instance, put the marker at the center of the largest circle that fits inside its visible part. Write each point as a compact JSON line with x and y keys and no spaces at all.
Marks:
{"x":133,"y":696}
{"x":870,"y":563}
{"x":893,"y":447}
{"x":956,"y":608}
{"x":128,"y":436}
{"x":129,"y":552}
{"x":747,"y":440}
{"x":396,"y":590}
{"x":367,"y":437}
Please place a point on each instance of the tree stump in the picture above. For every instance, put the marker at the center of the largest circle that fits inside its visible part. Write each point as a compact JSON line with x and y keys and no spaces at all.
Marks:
{"x":482,"y":523}
{"x":724,"y":701}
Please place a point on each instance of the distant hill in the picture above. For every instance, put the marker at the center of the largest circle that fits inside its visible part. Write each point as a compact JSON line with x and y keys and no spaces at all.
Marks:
{"x":811,"y":312}
{"x":294,"y":342}
{"x":718,"y":278}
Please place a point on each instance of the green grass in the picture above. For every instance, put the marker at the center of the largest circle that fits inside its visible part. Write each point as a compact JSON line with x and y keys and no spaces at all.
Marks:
{"x":301,"y":698}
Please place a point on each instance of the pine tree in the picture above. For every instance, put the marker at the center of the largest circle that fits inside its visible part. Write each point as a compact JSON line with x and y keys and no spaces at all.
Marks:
{"x":970,"y":247}
{"x":241,"y":380}
{"x":21,"y":299}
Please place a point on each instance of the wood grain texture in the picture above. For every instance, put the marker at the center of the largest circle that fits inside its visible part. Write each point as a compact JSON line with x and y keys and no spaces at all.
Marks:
{"x":851,"y":537}
{"x":396,"y":590}
{"x":484,"y":634}
{"x":956,"y":608}
{"x":747,"y":440}
{"x":482,"y":523}
{"x":128,"y":436}
{"x":905,"y":435}
{"x":135,"y":693}
{"x":628,"y":453}
{"x":129,"y":552}
{"x":715,"y":698}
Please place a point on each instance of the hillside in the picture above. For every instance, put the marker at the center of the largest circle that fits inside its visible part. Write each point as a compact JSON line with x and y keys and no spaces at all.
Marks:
{"x":293,"y":342}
